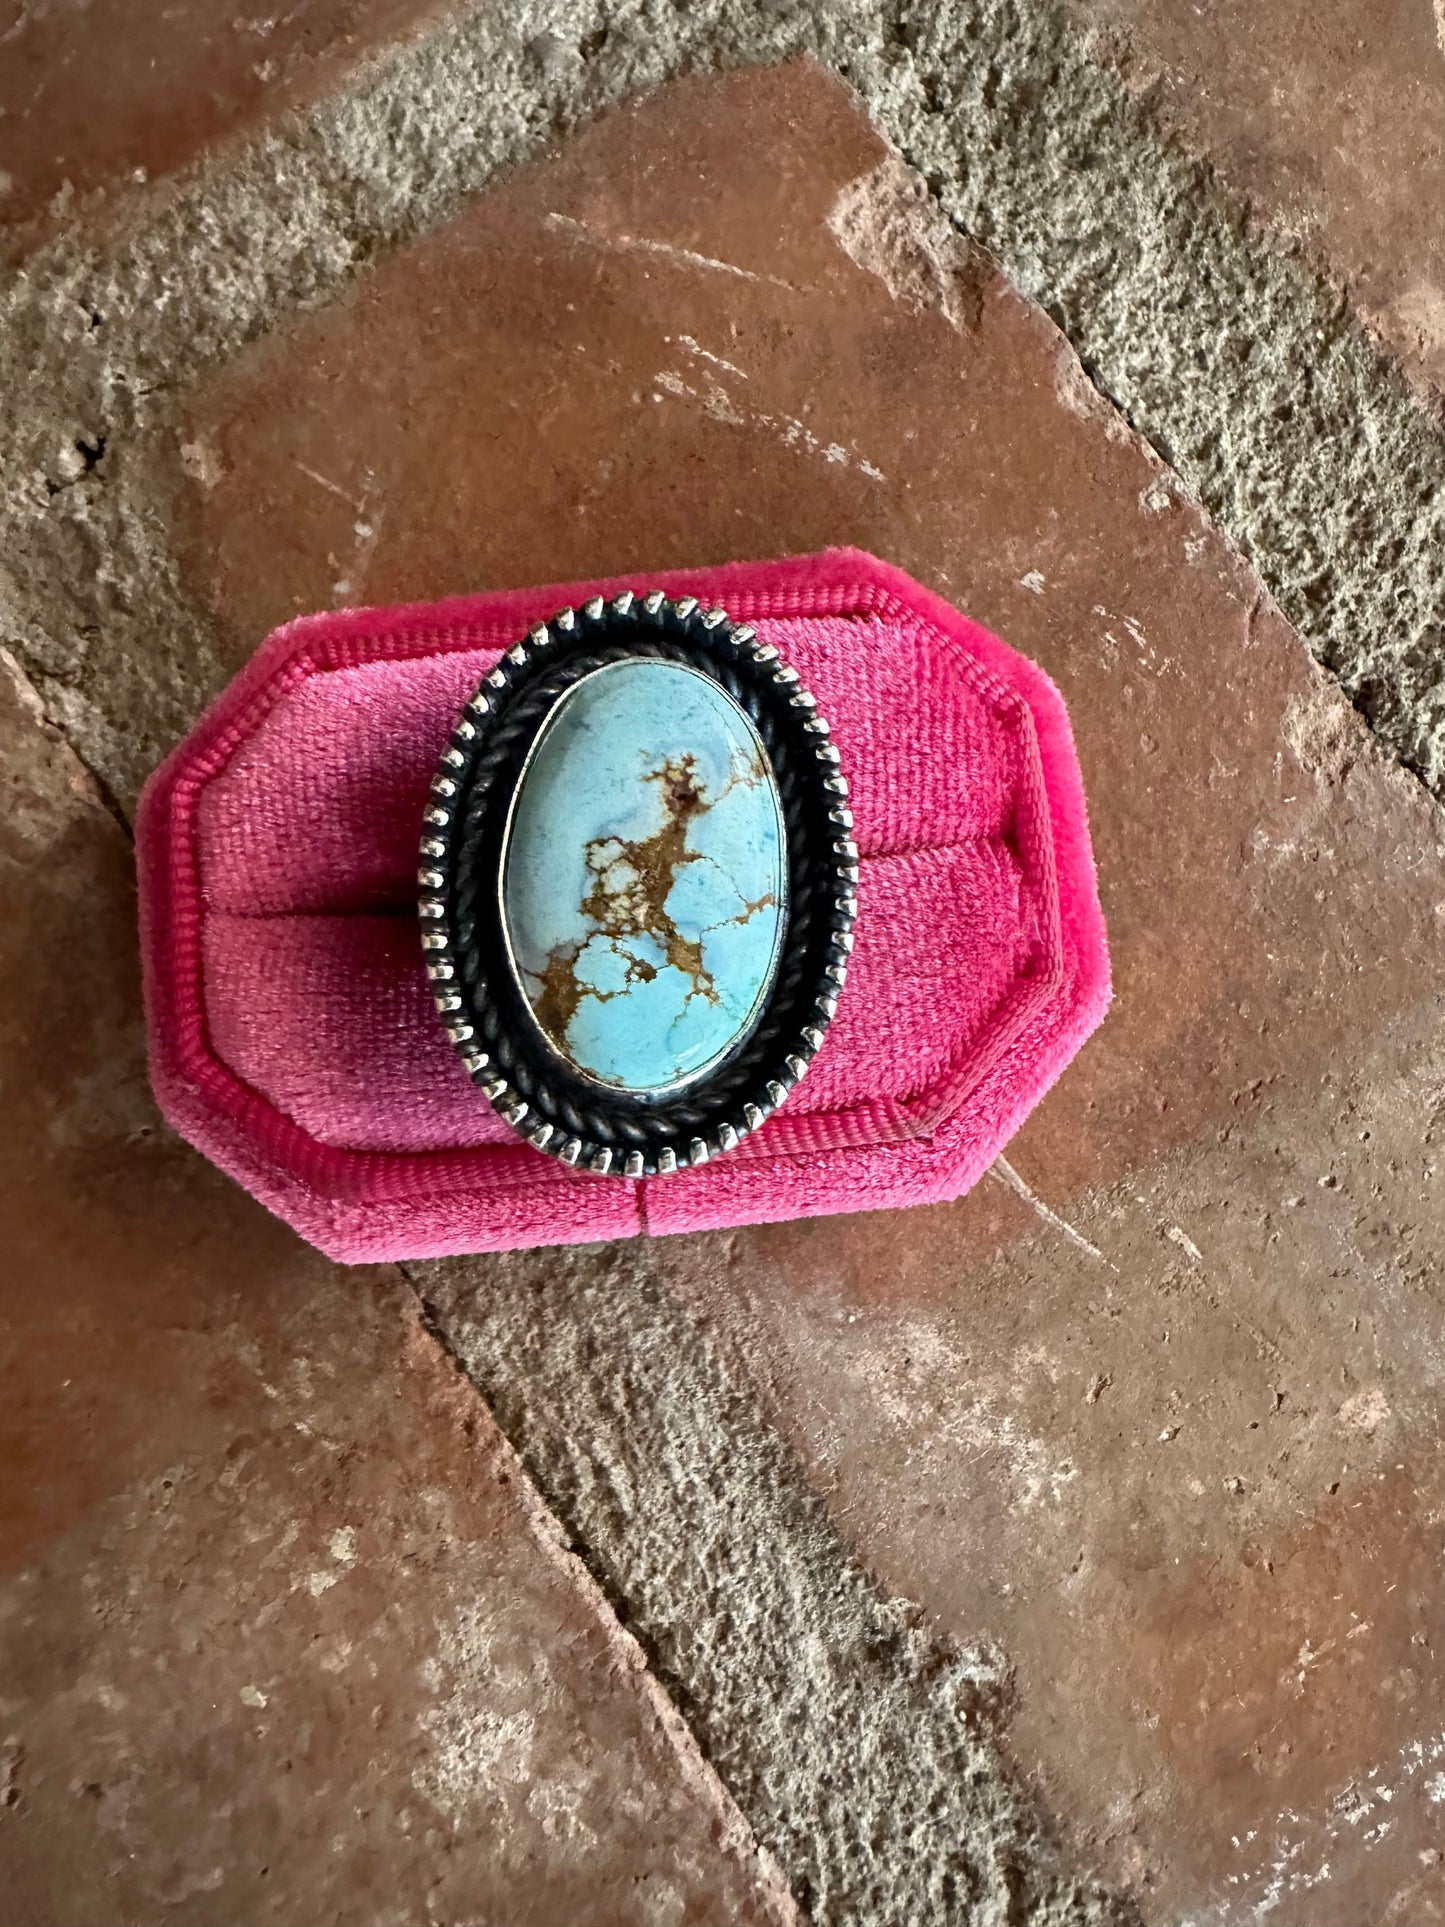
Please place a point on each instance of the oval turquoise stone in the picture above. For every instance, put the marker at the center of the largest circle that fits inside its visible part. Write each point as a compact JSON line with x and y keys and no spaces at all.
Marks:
{"x":643,"y":875}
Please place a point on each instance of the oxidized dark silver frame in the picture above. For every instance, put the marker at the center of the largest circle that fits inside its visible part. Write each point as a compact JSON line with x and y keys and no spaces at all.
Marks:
{"x":529,"y":1083}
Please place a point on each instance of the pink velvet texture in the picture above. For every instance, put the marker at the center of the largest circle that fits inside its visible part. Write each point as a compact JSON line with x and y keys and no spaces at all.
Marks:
{"x":292,"y":1036}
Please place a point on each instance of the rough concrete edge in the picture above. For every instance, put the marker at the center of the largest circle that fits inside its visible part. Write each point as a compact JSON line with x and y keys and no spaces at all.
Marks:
{"x":1224,"y":344}
{"x":866,"y":1748}
{"x":84,"y":778}
{"x":732,"y":1835}
{"x":1234,"y":358}
{"x":730,"y":1831}
{"x":1229,"y":353}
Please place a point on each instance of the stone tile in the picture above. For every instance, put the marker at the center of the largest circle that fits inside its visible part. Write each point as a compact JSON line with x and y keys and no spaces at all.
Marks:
{"x":1329,"y":117}
{"x":1154,"y":1405}
{"x":492,"y":405}
{"x":98,"y":99}
{"x":285,"y":1633}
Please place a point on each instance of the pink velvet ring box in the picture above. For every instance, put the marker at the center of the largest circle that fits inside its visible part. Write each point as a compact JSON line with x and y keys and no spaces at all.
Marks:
{"x":293,"y":1037}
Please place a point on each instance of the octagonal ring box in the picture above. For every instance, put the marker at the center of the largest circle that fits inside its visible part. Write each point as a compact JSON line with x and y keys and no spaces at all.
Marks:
{"x":293,"y":1036}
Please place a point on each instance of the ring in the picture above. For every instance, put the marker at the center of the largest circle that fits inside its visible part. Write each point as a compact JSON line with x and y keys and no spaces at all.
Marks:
{"x":638,"y":884}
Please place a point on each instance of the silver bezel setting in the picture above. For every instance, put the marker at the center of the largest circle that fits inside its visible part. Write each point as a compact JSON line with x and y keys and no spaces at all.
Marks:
{"x":500,"y":1054}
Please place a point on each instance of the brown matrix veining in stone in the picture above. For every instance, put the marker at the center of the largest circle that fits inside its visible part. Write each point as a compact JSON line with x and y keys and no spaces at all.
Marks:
{"x":643,"y":879}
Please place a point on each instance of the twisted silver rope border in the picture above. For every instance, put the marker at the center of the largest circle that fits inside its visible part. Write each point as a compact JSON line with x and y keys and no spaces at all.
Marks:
{"x":528,"y":1083}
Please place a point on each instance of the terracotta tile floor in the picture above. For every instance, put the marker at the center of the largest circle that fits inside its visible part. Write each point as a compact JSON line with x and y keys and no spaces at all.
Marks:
{"x":1161,"y":1459}
{"x":1331,"y":118}
{"x":287,"y":1634}
{"x":1155,"y":1408}
{"x":99,"y":100}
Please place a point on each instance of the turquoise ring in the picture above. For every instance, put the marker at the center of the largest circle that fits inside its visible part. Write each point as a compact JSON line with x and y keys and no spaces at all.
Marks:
{"x":638,"y":884}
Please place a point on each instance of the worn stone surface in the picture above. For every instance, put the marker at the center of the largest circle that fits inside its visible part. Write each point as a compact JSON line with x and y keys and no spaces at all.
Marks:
{"x":627,"y":1384}
{"x":869,"y":1752}
{"x":1330,"y":117}
{"x":285,"y":1633}
{"x":1153,"y":1409}
{"x":1236,"y":357}
{"x":100,"y":98}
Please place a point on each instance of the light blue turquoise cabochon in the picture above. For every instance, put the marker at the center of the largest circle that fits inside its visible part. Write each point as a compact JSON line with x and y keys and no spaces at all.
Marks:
{"x":643,"y":875}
